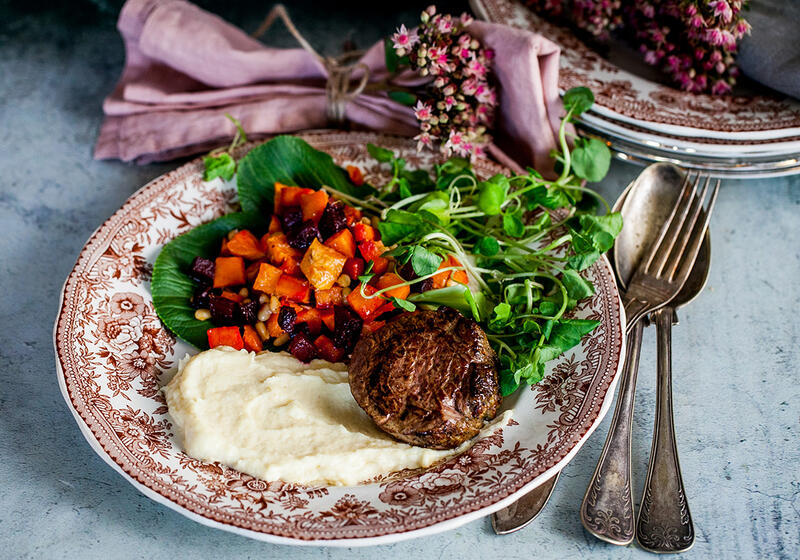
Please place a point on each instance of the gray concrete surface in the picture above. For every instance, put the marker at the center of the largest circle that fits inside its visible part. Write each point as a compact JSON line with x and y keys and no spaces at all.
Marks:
{"x":737,"y":363}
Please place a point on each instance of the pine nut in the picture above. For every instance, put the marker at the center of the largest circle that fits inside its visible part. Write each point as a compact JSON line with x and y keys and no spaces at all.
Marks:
{"x":261,"y":329}
{"x":274,"y":304}
{"x":244,"y":292}
{"x":263,"y":298}
{"x":232,"y":233}
{"x":375,"y":221}
{"x":346,"y":291}
{"x":264,"y":312}
{"x":366,"y":221}
{"x":281,"y":340}
{"x":344,"y":281}
{"x":246,"y":300}
{"x":202,"y":314}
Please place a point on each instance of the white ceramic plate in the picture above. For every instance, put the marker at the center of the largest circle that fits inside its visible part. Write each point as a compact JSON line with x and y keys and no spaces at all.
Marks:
{"x":113,"y":355}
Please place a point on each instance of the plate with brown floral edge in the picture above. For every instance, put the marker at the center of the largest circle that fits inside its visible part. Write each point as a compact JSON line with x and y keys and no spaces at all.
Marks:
{"x":113,"y":355}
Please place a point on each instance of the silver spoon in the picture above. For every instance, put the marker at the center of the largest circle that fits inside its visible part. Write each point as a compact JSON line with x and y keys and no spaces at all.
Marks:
{"x":664,"y":523}
{"x":645,"y":205}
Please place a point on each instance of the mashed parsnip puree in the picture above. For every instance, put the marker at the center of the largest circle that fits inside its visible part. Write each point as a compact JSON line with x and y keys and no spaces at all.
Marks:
{"x":273,"y":417}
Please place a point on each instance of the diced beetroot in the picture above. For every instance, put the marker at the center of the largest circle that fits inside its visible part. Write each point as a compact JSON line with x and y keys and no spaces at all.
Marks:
{"x":202,"y":297}
{"x":223,"y":310}
{"x":247,"y":314}
{"x":287,"y":317}
{"x":304,"y":236}
{"x":302,"y":348}
{"x":347,"y":328}
{"x":354,"y":267}
{"x":291,"y":219}
{"x":425,"y":285}
{"x":333,"y":220}
{"x":327,"y":350}
{"x":202,"y":270}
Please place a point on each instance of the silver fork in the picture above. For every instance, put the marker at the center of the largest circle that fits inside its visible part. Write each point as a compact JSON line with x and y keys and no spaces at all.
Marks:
{"x":607,"y":508}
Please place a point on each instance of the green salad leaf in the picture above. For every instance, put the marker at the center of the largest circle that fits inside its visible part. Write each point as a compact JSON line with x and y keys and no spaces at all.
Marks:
{"x":171,"y":286}
{"x":291,"y":161}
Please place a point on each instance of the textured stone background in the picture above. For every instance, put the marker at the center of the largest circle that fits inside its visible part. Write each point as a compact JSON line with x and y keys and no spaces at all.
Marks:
{"x":737,"y":363}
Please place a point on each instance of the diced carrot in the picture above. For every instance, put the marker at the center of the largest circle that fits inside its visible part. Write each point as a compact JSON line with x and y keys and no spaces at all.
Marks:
{"x":233,"y":296}
{"x":278,"y":249}
{"x":371,"y":326}
{"x":326,"y":299}
{"x":328,"y":318}
{"x":327,"y":350}
{"x":225,"y":336}
{"x":245,"y":244}
{"x":267,"y":279}
{"x":363,"y":232}
{"x":322,"y":265}
{"x":365,"y":307}
{"x":223,"y":250}
{"x":252,"y":270}
{"x":293,"y":288}
{"x":354,"y":267}
{"x":252,"y":342}
{"x":372,"y":251}
{"x":287,"y":196}
{"x":313,"y":205}
{"x":229,"y":271}
{"x":312,"y":318}
{"x":290,"y":196}
{"x":356,"y":176}
{"x":343,"y":242}
{"x":274,"y":224}
{"x":459,"y":276}
{"x":391,"y":279}
{"x":352,"y":215}
{"x":273,"y":328}
{"x":291,"y":267}
{"x":385,"y":308}
{"x":440,"y":279}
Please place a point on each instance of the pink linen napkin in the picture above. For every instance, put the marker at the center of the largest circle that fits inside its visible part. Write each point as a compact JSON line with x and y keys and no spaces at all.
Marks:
{"x":185,"y":68}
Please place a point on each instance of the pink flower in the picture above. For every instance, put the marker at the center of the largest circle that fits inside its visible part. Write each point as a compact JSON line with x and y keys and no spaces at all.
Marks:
{"x":449,"y":101}
{"x":697,"y":21}
{"x":405,"y":39}
{"x":742,"y":27}
{"x":486,"y":95}
{"x":466,"y":19}
{"x":722,"y":10}
{"x":445,"y":25}
{"x":476,"y":68}
{"x":424,"y":140}
{"x":422,"y":111}
{"x":714,"y":36}
{"x":469,"y":87}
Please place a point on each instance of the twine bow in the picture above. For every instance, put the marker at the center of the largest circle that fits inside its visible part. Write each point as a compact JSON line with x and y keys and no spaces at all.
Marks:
{"x":338,"y":92}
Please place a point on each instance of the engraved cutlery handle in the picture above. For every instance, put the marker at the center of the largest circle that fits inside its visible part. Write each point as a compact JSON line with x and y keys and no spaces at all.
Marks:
{"x":664,"y":523}
{"x":607,"y":508}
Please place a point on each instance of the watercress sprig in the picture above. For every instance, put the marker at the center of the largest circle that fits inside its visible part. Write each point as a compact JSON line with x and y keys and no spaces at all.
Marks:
{"x":219,"y":162}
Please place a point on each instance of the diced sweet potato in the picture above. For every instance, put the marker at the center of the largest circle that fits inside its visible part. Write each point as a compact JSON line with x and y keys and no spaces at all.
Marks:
{"x":273,"y":328}
{"x":326,"y":299}
{"x":313,"y":205}
{"x":293,"y":289}
{"x":267,"y":279}
{"x":460,"y":276}
{"x":372,"y":251}
{"x":371,"y":327}
{"x":252,"y":342}
{"x":353,"y":215}
{"x":225,"y":336}
{"x":326,"y":349}
{"x":364,"y":232}
{"x":245,"y":244}
{"x":322,"y":265}
{"x":274,"y":224}
{"x":291,"y":267}
{"x":365,"y":307}
{"x":278,"y":249}
{"x":287,"y":196}
{"x":343,"y":242}
{"x":356,"y":176}
{"x":391,"y":279}
{"x":233,"y":296}
{"x":229,"y":271}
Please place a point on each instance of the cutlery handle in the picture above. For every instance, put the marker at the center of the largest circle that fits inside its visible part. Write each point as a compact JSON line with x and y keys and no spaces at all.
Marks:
{"x":607,"y":508}
{"x":664,"y":523}
{"x":521,"y":513}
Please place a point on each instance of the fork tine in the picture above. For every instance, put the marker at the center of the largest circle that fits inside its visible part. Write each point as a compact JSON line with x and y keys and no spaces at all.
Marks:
{"x":682,"y":236}
{"x":656,"y":247}
{"x":694,"y":241}
{"x":666,"y":239}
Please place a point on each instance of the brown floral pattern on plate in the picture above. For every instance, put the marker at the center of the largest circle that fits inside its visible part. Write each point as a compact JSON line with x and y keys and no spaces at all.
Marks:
{"x":113,"y":355}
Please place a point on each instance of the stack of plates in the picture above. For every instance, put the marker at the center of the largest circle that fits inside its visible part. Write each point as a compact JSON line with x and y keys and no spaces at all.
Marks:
{"x":748,"y":134}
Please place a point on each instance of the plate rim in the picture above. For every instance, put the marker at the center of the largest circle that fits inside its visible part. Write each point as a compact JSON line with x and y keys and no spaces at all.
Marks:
{"x":433,"y":528}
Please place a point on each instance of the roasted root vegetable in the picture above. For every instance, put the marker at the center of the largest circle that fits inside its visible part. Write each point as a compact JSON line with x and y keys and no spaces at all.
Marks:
{"x":252,"y":342}
{"x":327,"y":350}
{"x":229,"y":271}
{"x":364,"y":306}
{"x":322,"y":265}
{"x":326,"y":299}
{"x":267,"y":279}
{"x":225,"y":336}
{"x":293,"y":289}
{"x":246,"y":245}
{"x":391,"y":279}
{"x":313,"y":205}
{"x":278,"y":249}
{"x":343,"y":242}
{"x":356,"y":176}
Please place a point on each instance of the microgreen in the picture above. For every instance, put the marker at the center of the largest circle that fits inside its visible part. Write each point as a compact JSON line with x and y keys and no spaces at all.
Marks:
{"x":523,"y":241}
{"x":220,"y":162}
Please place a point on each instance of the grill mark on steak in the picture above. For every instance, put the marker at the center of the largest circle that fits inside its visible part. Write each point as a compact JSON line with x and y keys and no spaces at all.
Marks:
{"x":428,"y":378}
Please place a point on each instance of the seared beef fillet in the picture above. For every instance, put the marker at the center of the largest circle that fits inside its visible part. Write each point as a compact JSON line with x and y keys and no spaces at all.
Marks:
{"x":428,"y":378}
